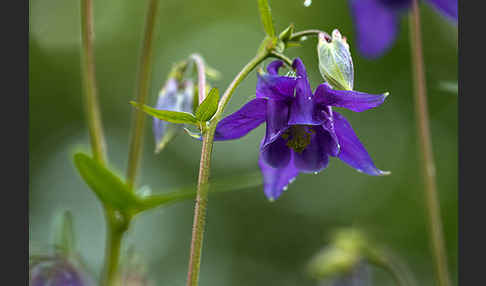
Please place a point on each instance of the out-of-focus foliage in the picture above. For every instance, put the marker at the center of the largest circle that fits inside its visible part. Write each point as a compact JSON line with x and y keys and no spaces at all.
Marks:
{"x":249,"y":241}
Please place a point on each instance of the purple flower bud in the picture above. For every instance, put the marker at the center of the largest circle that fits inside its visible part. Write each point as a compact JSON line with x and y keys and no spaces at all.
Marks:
{"x":175,"y":96}
{"x":58,"y":271}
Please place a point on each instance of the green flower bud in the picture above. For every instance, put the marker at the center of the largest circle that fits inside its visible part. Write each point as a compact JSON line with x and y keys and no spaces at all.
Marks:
{"x":340,"y":257}
{"x":335,"y":63}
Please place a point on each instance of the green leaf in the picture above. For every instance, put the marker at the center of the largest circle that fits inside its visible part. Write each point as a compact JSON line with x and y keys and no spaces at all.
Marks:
{"x":208,"y":107}
{"x":108,"y":187}
{"x":167,"y":115}
{"x":266,"y":16}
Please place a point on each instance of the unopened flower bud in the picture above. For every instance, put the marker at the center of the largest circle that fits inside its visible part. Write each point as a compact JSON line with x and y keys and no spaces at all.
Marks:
{"x":58,"y":271}
{"x":343,"y":254}
{"x":335,"y":62}
{"x":176,"y":95}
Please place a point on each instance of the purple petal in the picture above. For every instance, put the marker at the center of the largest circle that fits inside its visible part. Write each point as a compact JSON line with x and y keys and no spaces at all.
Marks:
{"x":352,"y":151}
{"x":299,"y":68}
{"x":239,"y":123}
{"x":314,"y":157}
{"x":302,"y":110}
{"x":276,"y":154}
{"x":274,"y":66}
{"x":353,"y":100}
{"x":277,"y":118}
{"x":275,"y":180}
{"x":376,"y":26}
{"x":328,"y":126}
{"x":274,"y":86}
{"x":447,"y":8}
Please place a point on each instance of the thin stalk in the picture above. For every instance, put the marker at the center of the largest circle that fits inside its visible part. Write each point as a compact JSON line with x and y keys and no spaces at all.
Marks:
{"x":201,"y":76}
{"x":143,"y":85}
{"x":204,"y":169}
{"x":116,"y":230}
{"x":297,"y":36}
{"x":281,"y":57}
{"x":92,"y":109}
{"x":426,"y":153}
{"x":399,"y":273}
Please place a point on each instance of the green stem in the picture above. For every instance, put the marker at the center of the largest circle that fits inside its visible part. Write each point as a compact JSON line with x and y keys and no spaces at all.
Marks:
{"x":89,"y":82}
{"x":282,"y":57}
{"x":425,"y":143}
{"x":297,"y":36}
{"x":204,"y":169}
{"x":400,"y":275}
{"x":201,"y":76}
{"x":145,"y":70}
{"x":117,"y":226}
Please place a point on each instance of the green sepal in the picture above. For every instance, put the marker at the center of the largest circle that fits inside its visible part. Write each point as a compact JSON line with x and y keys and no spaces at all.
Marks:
{"x":208,"y":107}
{"x":167,"y":115}
{"x":107,"y":186}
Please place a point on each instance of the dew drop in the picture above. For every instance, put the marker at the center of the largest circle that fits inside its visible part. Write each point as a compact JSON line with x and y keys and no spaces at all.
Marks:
{"x":315,"y":173}
{"x":307,"y":3}
{"x":285,"y":188}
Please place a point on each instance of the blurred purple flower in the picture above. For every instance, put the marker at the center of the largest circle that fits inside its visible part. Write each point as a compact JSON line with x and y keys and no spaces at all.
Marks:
{"x":377,"y":21}
{"x":57,"y":271}
{"x":302,"y":130}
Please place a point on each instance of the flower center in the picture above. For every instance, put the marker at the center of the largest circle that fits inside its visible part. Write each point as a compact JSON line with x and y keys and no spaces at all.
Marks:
{"x":298,"y":137}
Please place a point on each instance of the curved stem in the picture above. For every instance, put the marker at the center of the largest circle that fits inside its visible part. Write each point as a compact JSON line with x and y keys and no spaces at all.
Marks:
{"x":281,"y":57}
{"x":313,"y":32}
{"x":145,"y":70}
{"x":89,"y":83}
{"x":204,"y":169}
{"x":236,"y":81}
{"x":399,"y":274}
{"x":425,"y":143}
{"x":201,"y":76}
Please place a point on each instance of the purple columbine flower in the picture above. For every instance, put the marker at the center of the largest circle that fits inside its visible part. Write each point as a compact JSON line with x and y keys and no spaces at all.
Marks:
{"x":302,"y":129}
{"x":377,"y":21}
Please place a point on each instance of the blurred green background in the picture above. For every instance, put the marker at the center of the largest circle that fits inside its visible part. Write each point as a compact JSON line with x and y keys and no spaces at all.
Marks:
{"x":249,"y":241}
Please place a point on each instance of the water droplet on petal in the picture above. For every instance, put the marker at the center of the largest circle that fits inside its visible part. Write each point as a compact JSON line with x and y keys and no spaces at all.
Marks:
{"x":307,"y":3}
{"x":315,"y":173}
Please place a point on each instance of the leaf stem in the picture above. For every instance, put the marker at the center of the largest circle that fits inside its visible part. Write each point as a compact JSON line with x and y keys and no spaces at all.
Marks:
{"x":204,"y":169}
{"x":426,"y":152}
{"x":145,"y":71}
{"x":89,"y":82}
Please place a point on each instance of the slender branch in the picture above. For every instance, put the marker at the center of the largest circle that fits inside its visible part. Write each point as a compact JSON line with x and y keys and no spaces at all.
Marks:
{"x":426,"y":152}
{"x":144,"y":73}
{"x":89,"y":82}
{"x":204,"y":168}
{"x":201,"y":76}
